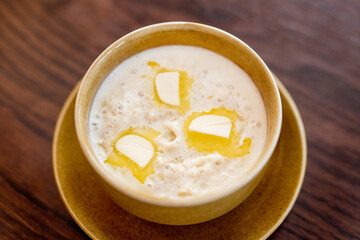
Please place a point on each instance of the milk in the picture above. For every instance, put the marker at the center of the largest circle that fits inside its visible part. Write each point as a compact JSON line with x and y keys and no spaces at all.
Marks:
{"x":126,"y":100}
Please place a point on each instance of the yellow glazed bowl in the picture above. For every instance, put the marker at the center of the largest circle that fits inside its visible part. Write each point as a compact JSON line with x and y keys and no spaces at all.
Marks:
{"x":197,"y":209}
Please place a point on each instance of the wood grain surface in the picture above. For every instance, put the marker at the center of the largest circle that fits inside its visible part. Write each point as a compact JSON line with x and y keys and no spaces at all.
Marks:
{"x":312,"y":46}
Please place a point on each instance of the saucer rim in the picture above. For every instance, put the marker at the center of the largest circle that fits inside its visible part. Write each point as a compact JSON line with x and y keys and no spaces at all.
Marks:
{"x":286,"y":94}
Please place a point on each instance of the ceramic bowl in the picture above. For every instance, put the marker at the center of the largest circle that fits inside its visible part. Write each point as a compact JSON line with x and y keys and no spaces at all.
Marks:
{"x":190,"y":210}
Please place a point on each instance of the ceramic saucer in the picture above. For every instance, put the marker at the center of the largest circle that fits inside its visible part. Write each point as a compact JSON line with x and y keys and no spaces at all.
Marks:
{"x":256,"y":218}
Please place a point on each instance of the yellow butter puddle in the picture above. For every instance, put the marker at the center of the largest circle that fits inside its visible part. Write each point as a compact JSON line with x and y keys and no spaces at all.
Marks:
{"x":116,"y":158}
{"x":228,"y":147}
{"x":185,"y":82}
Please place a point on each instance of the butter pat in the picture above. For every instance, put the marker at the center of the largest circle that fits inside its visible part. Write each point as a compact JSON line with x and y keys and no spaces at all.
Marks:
{"x":136,"y":148}
{"x":167,"y":87}
{"x":212,"y":124}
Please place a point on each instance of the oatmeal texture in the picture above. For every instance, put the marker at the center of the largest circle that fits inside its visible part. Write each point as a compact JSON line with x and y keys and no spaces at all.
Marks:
{"x":127,"y":100}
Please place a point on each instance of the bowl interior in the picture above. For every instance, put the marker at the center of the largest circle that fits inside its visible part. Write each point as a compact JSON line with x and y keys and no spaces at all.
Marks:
{"x":182,"y":34}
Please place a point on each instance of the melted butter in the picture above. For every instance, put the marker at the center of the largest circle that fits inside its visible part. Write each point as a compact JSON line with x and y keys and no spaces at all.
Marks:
{"x":228,"y":147}
{"x":185,"y":82}
{"x":116,"y":158}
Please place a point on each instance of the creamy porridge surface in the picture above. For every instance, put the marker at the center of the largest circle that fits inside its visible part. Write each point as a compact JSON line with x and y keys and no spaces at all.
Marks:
{"x":125,"y":100}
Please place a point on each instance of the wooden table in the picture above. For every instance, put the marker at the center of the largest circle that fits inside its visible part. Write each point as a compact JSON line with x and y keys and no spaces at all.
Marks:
{"x":313,"y":47}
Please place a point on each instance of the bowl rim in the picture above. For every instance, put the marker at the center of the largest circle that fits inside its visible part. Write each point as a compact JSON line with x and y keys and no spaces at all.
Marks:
{"x":164,"y":202}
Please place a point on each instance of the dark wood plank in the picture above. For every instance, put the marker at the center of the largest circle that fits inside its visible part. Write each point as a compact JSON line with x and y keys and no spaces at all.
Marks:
{"x":313,"y":46}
